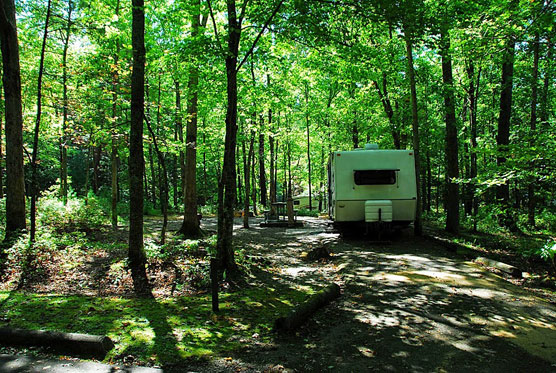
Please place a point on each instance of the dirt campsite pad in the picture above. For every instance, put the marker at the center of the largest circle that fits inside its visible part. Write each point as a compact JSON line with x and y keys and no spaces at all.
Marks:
{"x":407,"y":305}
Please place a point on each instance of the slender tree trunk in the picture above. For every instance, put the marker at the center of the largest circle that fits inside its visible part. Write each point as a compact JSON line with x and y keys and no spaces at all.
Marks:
{"x":226,"y":187}
{"x":355,"y":131}
{"x":191,"y":225}
{"x":162,"y":169}
{"x":543,"y":115}
{"x":388,"y":110}
{"x":97,"y":153}
{"x":451,"y":149}
{"x":253,"y":177}
{"x":114,"y":152}
{"x":418,"y":227}
{"x":273,"y":165}
{"x":1,"y":155}
{"x":262,"y":172}
{"x":153,"y":176}
{"x":205,"y":176}
{"x":163,"y":185}
{"x":239,"y":182}
{"x":503,"y":136}
{"x":151,"y":158}
{"x":247,"y":177}
{"x":473,"y":97}
{"x":533,"y":124}
{"x":34,"y":156}
{"x":308,"y":144}
{"x":63,"y":144}
{"x":179,"y":125}
{"x":136,"y":253}
{"x":321,"y":183}
{"x":87,"y":172}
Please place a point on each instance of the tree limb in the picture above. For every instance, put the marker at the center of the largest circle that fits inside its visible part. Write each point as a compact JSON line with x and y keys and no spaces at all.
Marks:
{"x":215,"y":28}
{"x":259,"y":35}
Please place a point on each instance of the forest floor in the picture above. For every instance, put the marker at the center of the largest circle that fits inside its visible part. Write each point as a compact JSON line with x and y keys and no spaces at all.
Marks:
{"x":407,"y":304}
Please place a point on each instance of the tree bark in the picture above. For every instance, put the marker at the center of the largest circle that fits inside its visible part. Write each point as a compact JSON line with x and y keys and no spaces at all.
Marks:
{"x":15,"y":183}
{"x":114,"y":152}
{"x":533,"y":125}
{"x":1,"y":155}
{"x":253,"y":177}
{"x":247,"y":177}
{"x":136,"y":253}
{"x":503,"y":135}
{"x":34,"y":155}
{"x":262,"y":172}
{"x":388,"y":110}
{"x":473,"y":97}
{"x":308,"y":144}
{"x":191,"y":225}
{"x":226,"y":187}
{"x":273,"y":165}
{"x":63,"y":145}
{"x":418,"y":226}
{"x":543,"y":115}
{"x":451,"y":144}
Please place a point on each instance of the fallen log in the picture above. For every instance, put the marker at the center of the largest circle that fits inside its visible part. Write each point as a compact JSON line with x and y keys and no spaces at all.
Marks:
{"x":84,"y":345}
{"x":506,"y":268}
{"x":302,"y":312}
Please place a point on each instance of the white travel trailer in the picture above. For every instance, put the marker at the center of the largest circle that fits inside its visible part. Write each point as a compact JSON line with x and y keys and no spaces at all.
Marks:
{"x":372,"y":186}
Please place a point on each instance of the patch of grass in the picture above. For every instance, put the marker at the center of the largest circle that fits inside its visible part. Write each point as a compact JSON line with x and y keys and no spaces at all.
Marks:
{"x":159,"y":331}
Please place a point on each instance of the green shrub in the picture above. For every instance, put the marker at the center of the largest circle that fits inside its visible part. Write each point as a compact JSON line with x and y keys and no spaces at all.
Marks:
{"x":307,"y":212}
{"x":52,"y":212}
{"x":547,"y":252}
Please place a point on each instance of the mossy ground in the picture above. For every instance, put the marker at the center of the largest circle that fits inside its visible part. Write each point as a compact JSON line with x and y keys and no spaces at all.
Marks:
{"x":156,"y":331}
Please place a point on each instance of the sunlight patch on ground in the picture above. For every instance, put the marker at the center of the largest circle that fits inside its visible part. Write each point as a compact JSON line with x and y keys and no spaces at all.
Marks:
{"x":391,"y":277}
{"x":295,"y":271}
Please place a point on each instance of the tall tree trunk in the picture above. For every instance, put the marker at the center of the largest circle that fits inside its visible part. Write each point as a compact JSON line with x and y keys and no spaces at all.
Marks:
{"x":503,"y":136}
{"x":247,"y":177}
{"x":418,"y":227}
{"x":226,"y":187}
{"x":163,"y":185}
{"x":253,"y":177}
{"x":179,"y":125}
{"x":153,"y":176}
{"x":162,"y":169}
{"x":205,"y":176}
{"x":355,"y":131}
{"x":63,"y":145}
{"x":388,"y":110}
{"x":262,"y":172}
{"x":321,"y":182}
{"x":15,"y":182}
{"x":533,"y":124}
{"x":114,"y":152}
{"x":191,"y":227}
{"x":34,"y":156}
{"x":543,"y":115}
{"x":136,"y":253}
{"x":473,"y":97}
{"x":151,"y":158}
{"x":273,"y":165}
{"x":451,"y":148}
{"x":308,"y":144}
{"x":97,"y":153}
{"x":1,"y":155}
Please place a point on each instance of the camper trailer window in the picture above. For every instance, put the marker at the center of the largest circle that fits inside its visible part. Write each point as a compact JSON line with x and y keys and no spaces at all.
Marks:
{"x":375,"y":177}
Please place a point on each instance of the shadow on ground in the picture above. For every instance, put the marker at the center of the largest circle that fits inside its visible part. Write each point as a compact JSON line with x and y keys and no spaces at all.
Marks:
{"x":407,"y":305}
